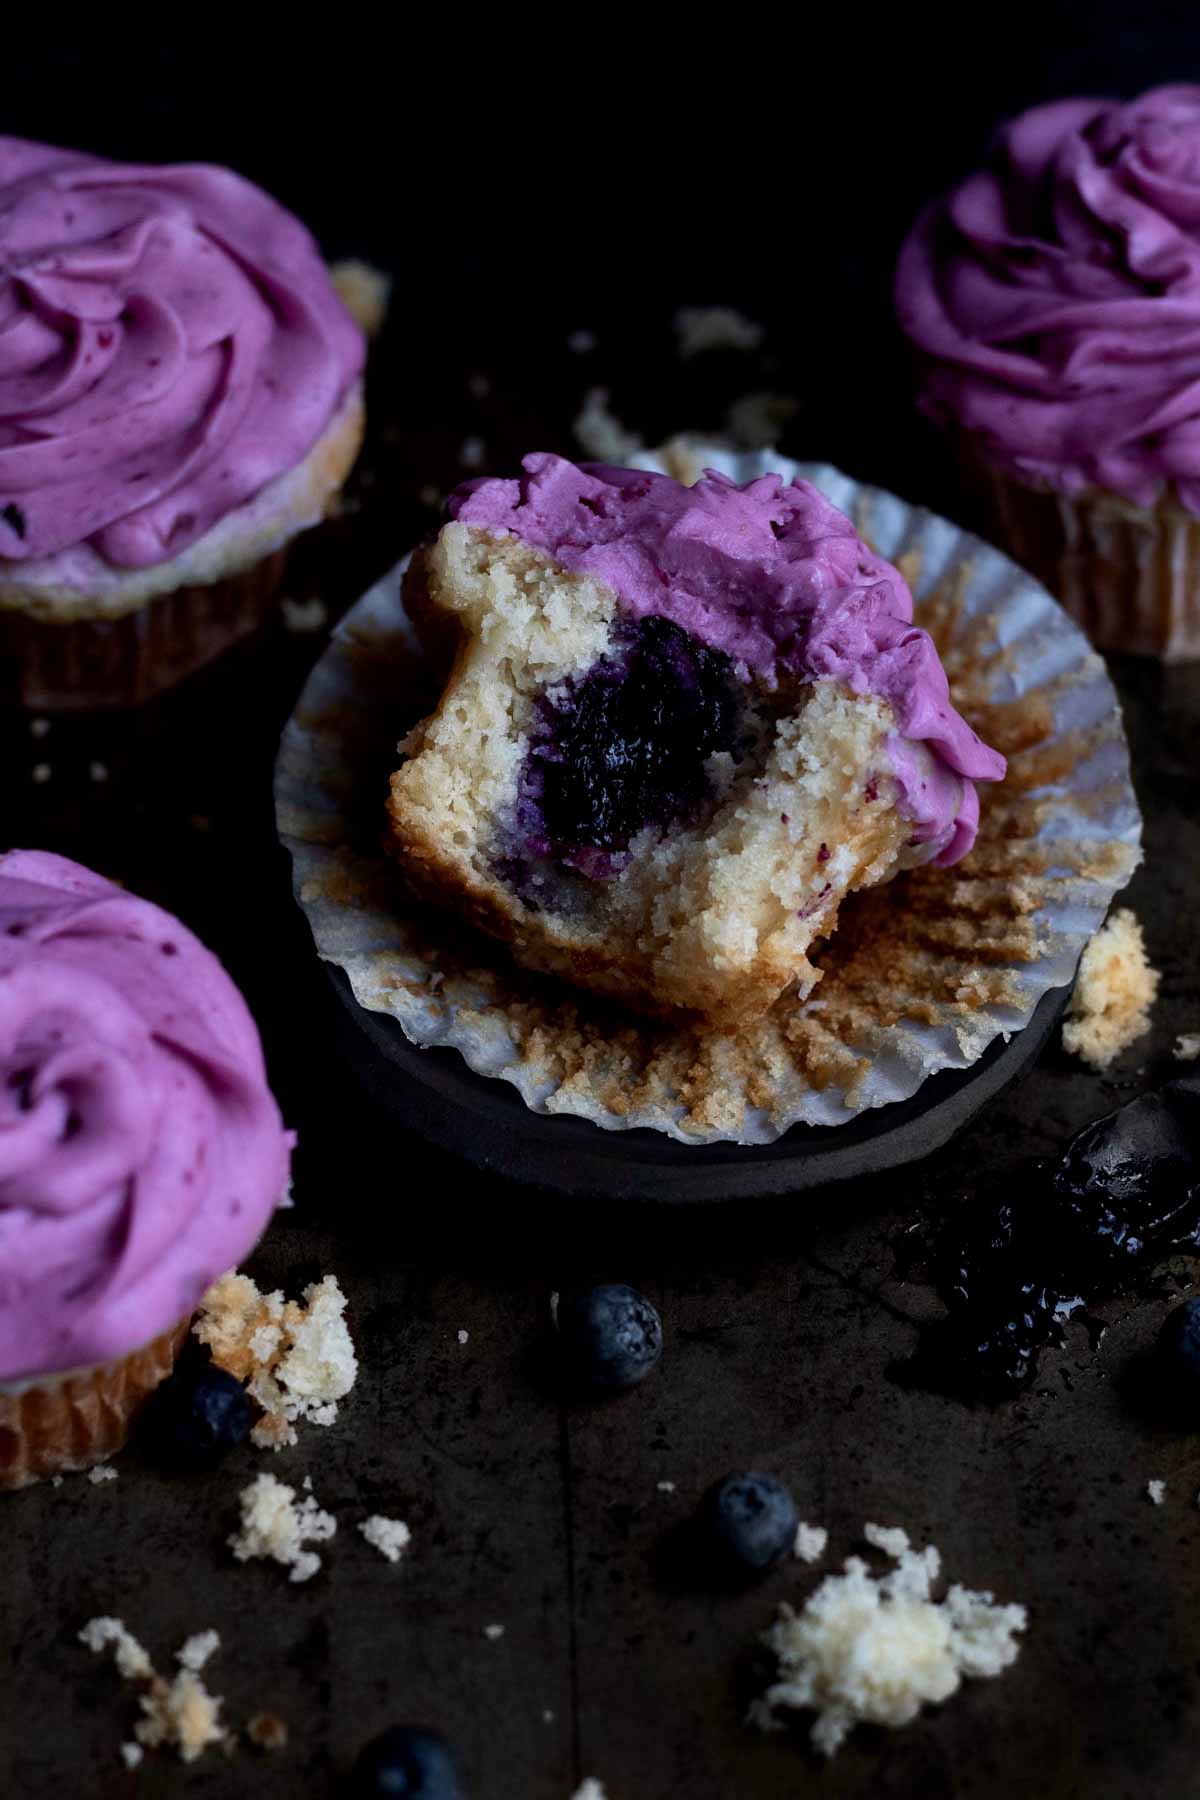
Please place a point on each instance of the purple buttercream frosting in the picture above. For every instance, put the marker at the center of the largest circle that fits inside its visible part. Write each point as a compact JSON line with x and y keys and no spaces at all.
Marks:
{"x":141,"y":1152}
{"x":1055,"y":298}
{"x":773,"y":575}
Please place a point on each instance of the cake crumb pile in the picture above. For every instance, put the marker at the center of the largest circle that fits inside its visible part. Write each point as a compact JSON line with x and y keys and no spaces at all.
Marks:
{"x":391,"y":1537}
{"x":276,"y":1528}
{"x":1156,"y":1491}
{"x":180,"y":1714}
{"x":1114,"y":991}
{"x":589,"y":1789}
{"x":296,"y":1357}
{"x":875,"y":1650}
{"x":1187,"y":1047}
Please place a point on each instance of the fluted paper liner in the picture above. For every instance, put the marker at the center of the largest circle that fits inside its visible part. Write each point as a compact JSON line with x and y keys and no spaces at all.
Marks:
{"x":920,"y":975}
{"x":73,"y":1421}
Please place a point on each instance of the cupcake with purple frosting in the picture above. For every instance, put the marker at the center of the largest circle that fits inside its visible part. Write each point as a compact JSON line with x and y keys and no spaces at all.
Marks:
{"x":1053,"y":300}
{"x":180,"y":396}
{"x":681,"y":725}
{"x":141,"y":1155}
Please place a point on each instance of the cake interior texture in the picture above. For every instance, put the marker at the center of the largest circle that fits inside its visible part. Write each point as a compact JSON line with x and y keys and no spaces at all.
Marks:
{"x":625,"y":805}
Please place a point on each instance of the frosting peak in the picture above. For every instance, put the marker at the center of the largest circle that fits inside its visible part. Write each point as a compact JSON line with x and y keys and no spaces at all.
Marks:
{"x":170,"y":342}
{"x":141,"y":1152}
{"x":773,"y":575}
{"x":1055,"y":297}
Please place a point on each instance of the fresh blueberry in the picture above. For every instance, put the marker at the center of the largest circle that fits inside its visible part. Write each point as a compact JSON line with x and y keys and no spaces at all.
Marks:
{"x":610,"y":1337}
{"x":750,"y":1521}
{"x":408,"y":1761}
{"x":1179,"y":1346}
{"x":200,"y":1413}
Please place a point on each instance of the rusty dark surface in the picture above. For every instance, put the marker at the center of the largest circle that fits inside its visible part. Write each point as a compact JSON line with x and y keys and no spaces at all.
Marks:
{"x":782,"y":1320}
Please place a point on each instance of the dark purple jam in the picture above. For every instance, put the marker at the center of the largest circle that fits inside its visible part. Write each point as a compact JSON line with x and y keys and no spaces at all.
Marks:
{"x":1044,"y":1239}
{"x":625,"y":747}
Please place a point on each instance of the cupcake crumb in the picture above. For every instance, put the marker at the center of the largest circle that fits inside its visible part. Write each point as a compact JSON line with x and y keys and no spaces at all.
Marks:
{"x":102,"y":1472}
{"x":1156,"y":1492}
{"x":430,"y":496}
{"x":810,"y":1542}
{"x":756,"y":421}
{"x":268,"y":1731}
{"x":180,"y":1714}
{"x":1187,"y":1046}
{"x":296,"y":1357}
{"x":301,"y":616}
{"x":589,"y":1789}
{"x":39,"y":728}
{"x":40,"y":773}
{"x":391,"y":1537}
{"x":700,"y":328}
{"x":472,"y":453}
{"x":276,"y":1529}
{"x":364,"y":291}
{"x":1114,"y":991}
{"x":97,"y":771}
{"x":602,"y":434}
{"x":665,"y":1487}
{"x":463,"y":1335}
{"x":493,"y":1633}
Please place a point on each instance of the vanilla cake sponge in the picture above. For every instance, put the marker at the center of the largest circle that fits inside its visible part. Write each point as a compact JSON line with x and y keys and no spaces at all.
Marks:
{"x":657,"y":766}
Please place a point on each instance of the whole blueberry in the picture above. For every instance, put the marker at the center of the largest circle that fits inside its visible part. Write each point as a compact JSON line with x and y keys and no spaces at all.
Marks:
{"x":1179,"y":1346}
{"x":750,"y":1522}
{"x":406,"y":1760}
{"x":610,"y":1337}
{"x":199,"y":1414}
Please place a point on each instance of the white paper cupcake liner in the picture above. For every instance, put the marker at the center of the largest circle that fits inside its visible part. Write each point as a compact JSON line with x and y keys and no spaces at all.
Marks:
{"x":920,"y":976}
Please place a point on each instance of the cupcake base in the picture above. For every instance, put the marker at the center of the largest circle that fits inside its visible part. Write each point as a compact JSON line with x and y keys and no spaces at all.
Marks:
{"x":70,"y":1422}
{"x":82,"y":664}
{"x":1130,"y":575}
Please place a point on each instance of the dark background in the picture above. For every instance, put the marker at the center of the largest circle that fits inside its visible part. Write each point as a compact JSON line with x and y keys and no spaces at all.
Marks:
{"x":525,"y":180}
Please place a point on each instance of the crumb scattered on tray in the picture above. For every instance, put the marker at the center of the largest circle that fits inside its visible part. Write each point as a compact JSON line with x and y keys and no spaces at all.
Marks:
{"x":267,"y":1730}
{"x":602,"y":434}
{"x":391,"y":1537}
{"x":302,"y":616}
{"x":365,"y":292}
{"x":1114,"y":991}
{"x":40,"y":773}
{"x":874,"y":1650}
{"x":547,"y":1716}
{"x":493,"y":1632}
{"x":463,"y":1336}
{"x":102,"y":1472}
{"x":39,"y":728}
{"x":1156,"y":1492}
{"x":665,"y":1487}
{"x":180,"y":1714}
{"x":589,"y":1789}
{"x":1187,"y":1046}
{"x":810,"y":1542}
{"x":277,"y":1528}
{"x":97,"y":771}
{"x":296,"y":1357}
{"x":472,"y":453}
{"x":701,"y":328}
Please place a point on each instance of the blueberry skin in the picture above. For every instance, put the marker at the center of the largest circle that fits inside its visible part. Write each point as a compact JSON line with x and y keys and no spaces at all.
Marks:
{"x":200,"y":1413}
{"x":610,"y":1337}
{"x":750,"y":1521}
{"x":1179,"y":1346}
{"x":405,"y":1760}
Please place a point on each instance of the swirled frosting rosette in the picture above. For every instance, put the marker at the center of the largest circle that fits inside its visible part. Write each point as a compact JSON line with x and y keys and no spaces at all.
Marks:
{"x":1054,"y":302}
{"x":179,"y":381}
{"x":141,"y":1152}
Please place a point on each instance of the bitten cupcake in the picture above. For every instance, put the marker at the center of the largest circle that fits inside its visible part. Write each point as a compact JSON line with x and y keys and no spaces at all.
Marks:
{"x":141,"y":1155}
{"x":180,"y":395}
{"x":1054,"y":302}
{"x":682,"y":725}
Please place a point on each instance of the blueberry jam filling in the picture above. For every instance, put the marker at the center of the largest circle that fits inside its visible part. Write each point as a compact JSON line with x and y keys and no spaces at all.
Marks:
{"x":624,"y":747}
{"x":1047,"y":1239}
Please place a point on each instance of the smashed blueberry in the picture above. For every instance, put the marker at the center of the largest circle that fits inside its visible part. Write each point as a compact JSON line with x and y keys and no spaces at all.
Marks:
{"x":1129,"y":1182}
{"x":625,"y":746}
{"x":404,"y":1760}
{"x":1016,"y":1257}
{"x":610,"y":1337}
{"x":199,"y":1414}
{"x":749,"y":1523}
{"x":1179,"y":1348}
